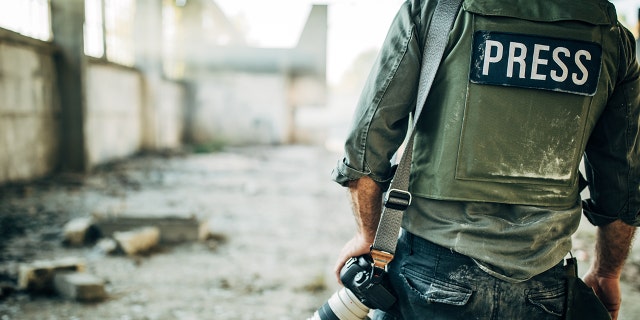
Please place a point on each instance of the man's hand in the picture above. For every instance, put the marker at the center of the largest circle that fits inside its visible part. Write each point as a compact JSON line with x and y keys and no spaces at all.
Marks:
{"x":608,"y":290}
{"x":366,"y":199}
{"x":357,"y":246}
{"x":613,"y":243}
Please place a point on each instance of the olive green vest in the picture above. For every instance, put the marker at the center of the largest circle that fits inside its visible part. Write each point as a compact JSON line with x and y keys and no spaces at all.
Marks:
{"x":514,"y":102}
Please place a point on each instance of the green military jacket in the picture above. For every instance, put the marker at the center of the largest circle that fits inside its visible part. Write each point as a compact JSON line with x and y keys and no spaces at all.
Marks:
{"x":526,"y":88}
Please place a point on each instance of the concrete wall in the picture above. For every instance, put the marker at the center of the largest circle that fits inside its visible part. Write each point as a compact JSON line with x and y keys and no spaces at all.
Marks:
{"x":116,"y":119}
{"x":113,"y":126}
{"x":169,"y":116}
{"x":247,"y":95}
{"x":60,"y":111}
{"x":240,"y":108}
{"x":29,"y":112}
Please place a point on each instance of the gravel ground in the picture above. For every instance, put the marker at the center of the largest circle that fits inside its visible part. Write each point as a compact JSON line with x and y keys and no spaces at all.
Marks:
{"x":278,"y":221}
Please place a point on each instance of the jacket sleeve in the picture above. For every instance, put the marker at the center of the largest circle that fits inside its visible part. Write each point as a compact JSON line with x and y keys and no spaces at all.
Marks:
{"x":612,"y":157}
{"x":382,"y":114}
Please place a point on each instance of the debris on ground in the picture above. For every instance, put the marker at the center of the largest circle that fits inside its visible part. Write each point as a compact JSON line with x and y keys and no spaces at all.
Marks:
{"x":242,"y":233}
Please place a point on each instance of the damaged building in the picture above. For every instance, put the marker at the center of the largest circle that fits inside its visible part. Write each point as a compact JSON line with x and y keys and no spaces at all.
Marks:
{"x":103,"y":80}
{"x":88,"y":84}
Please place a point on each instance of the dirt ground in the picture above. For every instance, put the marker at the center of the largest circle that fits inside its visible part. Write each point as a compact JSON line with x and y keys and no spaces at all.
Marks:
{"x":279,"y":223}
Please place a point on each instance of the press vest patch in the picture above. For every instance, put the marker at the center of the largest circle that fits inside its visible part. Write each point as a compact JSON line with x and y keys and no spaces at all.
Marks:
{"x":528,"y":61}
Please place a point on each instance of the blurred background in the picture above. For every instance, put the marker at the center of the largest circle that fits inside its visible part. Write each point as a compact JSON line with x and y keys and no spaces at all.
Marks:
{"x":225,"y":115}
{"x":98,"y":80}
{"x":89,"y":81}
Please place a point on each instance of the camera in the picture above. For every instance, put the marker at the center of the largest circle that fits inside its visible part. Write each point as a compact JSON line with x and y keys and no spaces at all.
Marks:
{"x":366,"y":287}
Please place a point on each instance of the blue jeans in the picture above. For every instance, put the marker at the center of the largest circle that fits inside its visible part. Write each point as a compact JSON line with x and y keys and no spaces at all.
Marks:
{"x":432,"y":282}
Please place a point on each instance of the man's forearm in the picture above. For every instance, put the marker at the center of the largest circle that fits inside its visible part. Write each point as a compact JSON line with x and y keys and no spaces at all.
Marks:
{"x":366,"y":197}
{"x":613,"y":244}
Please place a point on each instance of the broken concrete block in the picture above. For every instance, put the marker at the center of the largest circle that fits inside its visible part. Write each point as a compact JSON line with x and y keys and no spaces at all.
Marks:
{"x":106,"y":246}
{"x":207,"y":232}
{"x":38,"y":276}
{"x":138,"y":240}
{"x":80,"y":286}
{"x":79,"y":231}
{"x":174,"y":227}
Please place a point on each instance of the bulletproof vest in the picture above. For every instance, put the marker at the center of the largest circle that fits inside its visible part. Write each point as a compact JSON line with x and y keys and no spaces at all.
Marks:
{"x":514,"y":102}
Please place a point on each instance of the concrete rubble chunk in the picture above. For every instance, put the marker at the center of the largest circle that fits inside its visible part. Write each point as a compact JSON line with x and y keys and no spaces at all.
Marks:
{"x":208,"y":232}
{"x":80,"y":286}
{"x":205,"y":231}
{"x":175,"y":227}
{"x":106,"y":246}
{"x":79,"y":231}
{"x":138,"y":240}
{"x":38,"y":276}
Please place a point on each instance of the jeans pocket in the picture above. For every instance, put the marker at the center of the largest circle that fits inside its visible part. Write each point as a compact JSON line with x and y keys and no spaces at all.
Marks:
{"x":550,"y":300}
{"x":432,"y":290}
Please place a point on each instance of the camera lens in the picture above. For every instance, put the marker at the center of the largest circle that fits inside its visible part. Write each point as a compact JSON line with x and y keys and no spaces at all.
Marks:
{"x":325,"y":313}
{"x":343,"y":305}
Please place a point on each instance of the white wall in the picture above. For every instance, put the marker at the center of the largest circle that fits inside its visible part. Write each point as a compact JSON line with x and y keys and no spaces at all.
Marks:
{"x":113,"y":127}
{"x":169,"y":116}
{"x":115,"y":124}
{"x":29,"y":115}
{"x":241,"y":108}
{"x":116,"y":119}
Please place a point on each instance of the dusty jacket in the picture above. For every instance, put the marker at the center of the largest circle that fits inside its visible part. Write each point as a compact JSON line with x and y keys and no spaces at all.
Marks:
{"x":523,"y":92}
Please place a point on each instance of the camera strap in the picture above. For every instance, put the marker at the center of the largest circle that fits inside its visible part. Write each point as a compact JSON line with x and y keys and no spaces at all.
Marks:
{"x":398,"y":198}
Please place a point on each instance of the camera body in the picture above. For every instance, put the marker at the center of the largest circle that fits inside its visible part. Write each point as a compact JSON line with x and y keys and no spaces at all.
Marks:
{"x":368,"y":283}
{"x":365,"y":287}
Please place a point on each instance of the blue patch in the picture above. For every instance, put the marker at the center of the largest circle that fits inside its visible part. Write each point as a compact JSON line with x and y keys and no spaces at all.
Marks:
{"x":527,"y":61}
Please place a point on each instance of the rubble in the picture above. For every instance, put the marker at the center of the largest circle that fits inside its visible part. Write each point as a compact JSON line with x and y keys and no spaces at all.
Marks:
{"x":39,"y":276}
{"x":244,"y":255}
{"x":134,"y":232}
{"x":174,"y":227}
{"x":137,"y":241}
{"x":80,"y":286}
{"x":106,"y":246}
{"x":79,"y":231}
